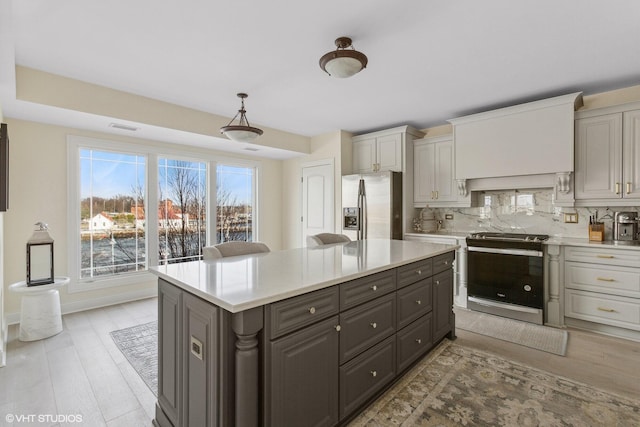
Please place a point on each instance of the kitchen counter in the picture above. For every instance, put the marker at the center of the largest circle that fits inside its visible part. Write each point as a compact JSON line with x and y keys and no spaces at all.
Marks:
{"x":610,"y":244}
{"x":306,"y":336}
{"x":247,"y":281}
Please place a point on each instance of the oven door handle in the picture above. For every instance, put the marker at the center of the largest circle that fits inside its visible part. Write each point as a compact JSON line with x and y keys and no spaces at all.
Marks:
{"x":523,"y":252}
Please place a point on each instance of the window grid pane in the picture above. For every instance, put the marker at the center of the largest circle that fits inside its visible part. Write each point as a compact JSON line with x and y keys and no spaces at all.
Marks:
{"x":234,"y":205}
{"x":112,"y":192}
{"x":181,"y":210}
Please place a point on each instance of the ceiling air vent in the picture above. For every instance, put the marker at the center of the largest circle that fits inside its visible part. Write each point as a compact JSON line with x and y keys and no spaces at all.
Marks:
{"x":123,"y":127}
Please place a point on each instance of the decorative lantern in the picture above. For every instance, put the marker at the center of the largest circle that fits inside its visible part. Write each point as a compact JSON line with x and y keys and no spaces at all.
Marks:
{"x":40,"y":257}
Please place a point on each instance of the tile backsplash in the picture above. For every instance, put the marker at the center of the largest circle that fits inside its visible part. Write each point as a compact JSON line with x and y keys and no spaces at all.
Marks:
{"x":522,"y":211}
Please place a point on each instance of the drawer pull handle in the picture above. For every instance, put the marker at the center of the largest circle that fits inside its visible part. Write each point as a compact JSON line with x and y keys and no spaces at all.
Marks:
{"x":604,"y":279}
{"x":419,"y":272}
{"x":374,"y":288}
{"x":608,"y":310}
{"x":418,"y":302}
{"x":617,"y":188}
{"x":374,"y":325}
{"x":628,"y":188}
{"x":312,"y":310}
{"x":338,"y":327}
{"x":419,"y":341}
{"x":605,"y":256}
{"x":374,"y":374}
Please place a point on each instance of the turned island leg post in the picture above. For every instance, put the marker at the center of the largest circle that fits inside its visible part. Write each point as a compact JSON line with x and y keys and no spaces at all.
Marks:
{"x":246,"y":326}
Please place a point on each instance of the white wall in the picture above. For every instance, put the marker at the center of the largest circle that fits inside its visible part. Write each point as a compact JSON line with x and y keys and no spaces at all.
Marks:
{"x":3,"y":323}
{"x":38,"y":180}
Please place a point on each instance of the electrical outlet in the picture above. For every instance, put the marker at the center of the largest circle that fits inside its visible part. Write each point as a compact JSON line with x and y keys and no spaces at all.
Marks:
{"x":571,"y":218}
{"x":448,"y":216}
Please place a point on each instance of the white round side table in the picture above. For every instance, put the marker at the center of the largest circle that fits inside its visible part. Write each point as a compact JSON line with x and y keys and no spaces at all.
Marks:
{"x":40,"y":315}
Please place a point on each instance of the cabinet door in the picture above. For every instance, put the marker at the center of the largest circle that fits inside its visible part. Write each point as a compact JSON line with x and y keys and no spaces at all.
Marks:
{"x":444,"y":172}
{"x":304,"y":377}
{"x":631,"y":154}
{"x":200,"y":398}
{"x":598,"y":156}
{"x":389,"y":153}
{"x":423,"y":159}
{"x":442,"y":304}
{"x":364,"y":155}
{"x":169,"y":352}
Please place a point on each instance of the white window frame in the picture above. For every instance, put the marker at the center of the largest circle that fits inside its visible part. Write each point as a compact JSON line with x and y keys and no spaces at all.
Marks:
{"x":152,"y":153}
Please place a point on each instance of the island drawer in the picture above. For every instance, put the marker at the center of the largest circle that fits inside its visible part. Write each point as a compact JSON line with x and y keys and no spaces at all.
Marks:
{"x":413,"y":341}
{"x":365,"y":325}
{"x":411,"y":273}
{"x":367,"y":288}
{"x":293,"y":313}
{"x":366,"y":375}
{"x":443,"y":262}
{"x":414,"y":301}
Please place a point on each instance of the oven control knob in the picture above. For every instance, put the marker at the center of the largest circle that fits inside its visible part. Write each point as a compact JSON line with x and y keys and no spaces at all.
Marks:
{"x":527,"y":288}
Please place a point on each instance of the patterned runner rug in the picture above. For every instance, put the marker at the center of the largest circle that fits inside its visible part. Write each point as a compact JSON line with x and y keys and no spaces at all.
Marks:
{"x":139,"y":344}
{"x":459,"y":386}
{"x":545,"y":338}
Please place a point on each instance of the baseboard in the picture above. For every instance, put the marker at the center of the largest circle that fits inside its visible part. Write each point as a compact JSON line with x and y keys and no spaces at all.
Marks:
{"x":89,"y":304}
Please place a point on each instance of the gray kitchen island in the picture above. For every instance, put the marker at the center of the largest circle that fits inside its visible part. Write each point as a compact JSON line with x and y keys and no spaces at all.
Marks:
{"x":300,"y":337}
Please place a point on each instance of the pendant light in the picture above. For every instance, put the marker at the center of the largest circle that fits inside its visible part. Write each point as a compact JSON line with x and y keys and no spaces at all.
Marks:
{"x":243,"y":131}
{"x":343,"y":62}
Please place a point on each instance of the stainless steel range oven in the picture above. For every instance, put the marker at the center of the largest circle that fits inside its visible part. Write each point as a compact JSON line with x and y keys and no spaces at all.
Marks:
{"x":506,"y":275}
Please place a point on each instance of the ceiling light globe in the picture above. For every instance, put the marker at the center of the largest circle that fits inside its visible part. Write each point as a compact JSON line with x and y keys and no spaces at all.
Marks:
{"x":343,"y":67}
{"x":241,"y":135}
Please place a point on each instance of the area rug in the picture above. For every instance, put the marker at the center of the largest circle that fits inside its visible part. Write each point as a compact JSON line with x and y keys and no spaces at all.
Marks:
{"x":545,"y":338}
{"x":460,"y":386}
{"x":139,"y":344}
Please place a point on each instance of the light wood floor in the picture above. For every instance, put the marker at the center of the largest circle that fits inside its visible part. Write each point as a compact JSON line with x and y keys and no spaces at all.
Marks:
{"x":80,"y":371}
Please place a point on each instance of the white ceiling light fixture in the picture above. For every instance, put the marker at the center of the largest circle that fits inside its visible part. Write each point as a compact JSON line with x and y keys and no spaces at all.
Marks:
{"x":243,"y":131}
{"x":343,"y":62}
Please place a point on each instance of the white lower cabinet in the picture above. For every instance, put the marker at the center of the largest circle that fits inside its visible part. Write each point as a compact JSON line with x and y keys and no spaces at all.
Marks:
{"x":603,"y":286}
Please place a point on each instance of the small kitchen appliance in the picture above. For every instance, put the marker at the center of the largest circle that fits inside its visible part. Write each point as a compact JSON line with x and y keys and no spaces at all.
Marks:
{"x":625,"y":226}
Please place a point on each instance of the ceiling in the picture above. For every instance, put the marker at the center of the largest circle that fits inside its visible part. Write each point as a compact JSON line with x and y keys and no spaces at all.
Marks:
{"x":429,"y":60}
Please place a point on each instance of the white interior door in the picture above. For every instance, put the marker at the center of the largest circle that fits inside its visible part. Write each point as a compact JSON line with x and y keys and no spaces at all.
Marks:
{"x":317,"y":200}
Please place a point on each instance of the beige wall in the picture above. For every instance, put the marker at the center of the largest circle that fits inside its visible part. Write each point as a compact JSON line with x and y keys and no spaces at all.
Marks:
{"x":38,"y":179}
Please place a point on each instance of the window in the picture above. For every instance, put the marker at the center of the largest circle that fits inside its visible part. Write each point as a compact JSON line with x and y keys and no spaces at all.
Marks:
{"x":112,"y":188}
{"x":182,"y":210}
{"x":132,"y":206}
{"x":235,"y":200}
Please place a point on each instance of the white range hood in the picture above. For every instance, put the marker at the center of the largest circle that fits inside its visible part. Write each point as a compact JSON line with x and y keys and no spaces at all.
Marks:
{"x":524,"y":146}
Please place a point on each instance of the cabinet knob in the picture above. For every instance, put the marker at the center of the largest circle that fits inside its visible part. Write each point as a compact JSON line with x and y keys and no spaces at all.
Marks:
{"x":374,"y":325}
{"x":374,"y":288}
{"x":419,"y":272}
{"x":437,"y":282}
{"x":446,"y":263}
{"x":374,"y":374}
{"x":418,"y":302}
{"x":338,"y":328}
{"x":419,"y":341}
{"x":312,"y":310}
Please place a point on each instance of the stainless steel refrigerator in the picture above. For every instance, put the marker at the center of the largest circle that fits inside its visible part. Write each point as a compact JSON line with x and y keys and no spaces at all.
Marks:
{"x":372,"y":205}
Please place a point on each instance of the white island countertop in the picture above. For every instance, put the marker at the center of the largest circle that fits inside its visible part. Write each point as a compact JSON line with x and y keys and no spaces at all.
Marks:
{"x":243,"y":282}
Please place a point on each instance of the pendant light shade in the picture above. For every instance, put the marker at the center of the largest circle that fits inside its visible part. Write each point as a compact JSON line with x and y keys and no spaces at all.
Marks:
{"x":243,"y":131}
{"x":343,"y":62}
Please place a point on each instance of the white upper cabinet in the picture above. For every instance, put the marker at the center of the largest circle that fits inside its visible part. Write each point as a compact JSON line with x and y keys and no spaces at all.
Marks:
{"x":607,"y":159}
{"x":383,"y":151}
{"x":433,"y":172}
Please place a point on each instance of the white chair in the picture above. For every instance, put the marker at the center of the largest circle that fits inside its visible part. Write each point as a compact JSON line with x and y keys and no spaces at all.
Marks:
{"x":227,"y":249}
{"x":326,"y":239}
